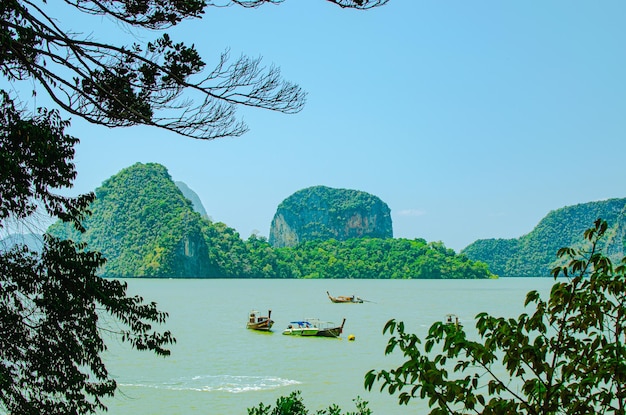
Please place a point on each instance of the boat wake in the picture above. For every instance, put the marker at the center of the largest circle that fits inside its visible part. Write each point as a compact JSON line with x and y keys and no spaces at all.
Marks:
{"x":219,"y":383}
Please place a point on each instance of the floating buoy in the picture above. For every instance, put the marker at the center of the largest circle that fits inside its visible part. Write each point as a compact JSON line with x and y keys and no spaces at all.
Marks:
{"x":351,"y":337}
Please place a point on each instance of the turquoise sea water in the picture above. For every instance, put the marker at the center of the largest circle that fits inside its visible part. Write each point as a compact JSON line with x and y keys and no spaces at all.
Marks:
{"x":218,"y":366}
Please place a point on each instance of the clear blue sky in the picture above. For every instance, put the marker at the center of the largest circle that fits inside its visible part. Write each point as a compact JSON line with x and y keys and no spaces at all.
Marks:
{"x":470,"y":119}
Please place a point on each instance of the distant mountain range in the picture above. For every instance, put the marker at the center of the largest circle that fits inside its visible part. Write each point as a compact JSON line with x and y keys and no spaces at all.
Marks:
{"x":147,"y":225}
{"x":193,"y":197}
{"x":534,"y":254}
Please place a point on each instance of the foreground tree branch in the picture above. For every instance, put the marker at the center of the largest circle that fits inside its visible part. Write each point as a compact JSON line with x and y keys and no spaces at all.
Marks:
{"x":161,"y":83}
{"x":567,"y":357}
{"x":50,"y":342}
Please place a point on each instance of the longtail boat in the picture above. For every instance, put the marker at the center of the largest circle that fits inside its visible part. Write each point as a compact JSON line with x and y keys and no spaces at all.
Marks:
{"x":328,"y":328}
{"x":344,"y":299}
{"x":259,"y":322}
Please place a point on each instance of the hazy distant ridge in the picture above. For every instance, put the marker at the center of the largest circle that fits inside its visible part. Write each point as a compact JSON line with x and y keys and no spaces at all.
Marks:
{"x":193,"y":197}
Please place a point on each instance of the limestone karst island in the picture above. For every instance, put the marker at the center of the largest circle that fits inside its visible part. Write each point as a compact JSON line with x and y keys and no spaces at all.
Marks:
{"x":147,"y":225}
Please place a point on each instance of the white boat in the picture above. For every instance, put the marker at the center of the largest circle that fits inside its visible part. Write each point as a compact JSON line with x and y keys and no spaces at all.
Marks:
{"x":301,"y":328}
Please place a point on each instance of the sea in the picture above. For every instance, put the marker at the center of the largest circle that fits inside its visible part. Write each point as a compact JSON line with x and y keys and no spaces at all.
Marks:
{"x":217,"y":366}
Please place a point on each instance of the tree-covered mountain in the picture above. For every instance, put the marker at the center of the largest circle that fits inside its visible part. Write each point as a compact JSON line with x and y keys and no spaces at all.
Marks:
{"x":534,"y":254}
{"x":322,"y":213}
{"x":145,"y":227}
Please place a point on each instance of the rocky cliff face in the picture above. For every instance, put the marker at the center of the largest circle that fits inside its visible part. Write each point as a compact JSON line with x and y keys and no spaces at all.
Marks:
{"x":321,"y":213}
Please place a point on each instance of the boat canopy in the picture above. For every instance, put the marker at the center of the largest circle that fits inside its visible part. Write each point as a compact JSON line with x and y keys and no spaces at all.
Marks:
{"x":301,"y":323}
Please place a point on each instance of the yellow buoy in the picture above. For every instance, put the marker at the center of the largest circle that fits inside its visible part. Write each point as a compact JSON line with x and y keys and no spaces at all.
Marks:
{"x":351,"y":337}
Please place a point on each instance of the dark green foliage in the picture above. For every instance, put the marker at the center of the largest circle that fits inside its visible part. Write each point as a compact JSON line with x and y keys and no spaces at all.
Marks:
{"x":362,"y":258}
{"x":116,"y":85}
{"x":497,"y":253}
{"x":35,"y":157}
{"x":140,"y":84}
{"x":293,"y":405}
{"x":532,"y":255}
{"x":144,"y":226}
{"x":228,"y":253}
{"x":565,"y":357}
{"x":323,"y":213}
{"x":52,"y":304}
{"x":50,"y":319}
{"x":384,"y":258}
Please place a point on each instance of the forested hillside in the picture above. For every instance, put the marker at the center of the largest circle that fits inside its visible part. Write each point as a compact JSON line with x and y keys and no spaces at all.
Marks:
{"x":534,"y":254}
{"x":146,"y":228}
{"x":366,"y":258}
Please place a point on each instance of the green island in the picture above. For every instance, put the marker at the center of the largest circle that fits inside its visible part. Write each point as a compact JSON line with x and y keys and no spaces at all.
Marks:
{"x":146,"y":227}
{"x":533,"y":254}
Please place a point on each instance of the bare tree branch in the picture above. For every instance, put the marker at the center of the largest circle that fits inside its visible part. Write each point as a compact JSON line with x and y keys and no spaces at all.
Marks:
{"x":123,"y":86}
{"x":160,"y":83}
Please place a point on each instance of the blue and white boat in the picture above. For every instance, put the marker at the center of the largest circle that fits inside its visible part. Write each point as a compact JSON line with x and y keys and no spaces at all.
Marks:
{"x":301,"y":328}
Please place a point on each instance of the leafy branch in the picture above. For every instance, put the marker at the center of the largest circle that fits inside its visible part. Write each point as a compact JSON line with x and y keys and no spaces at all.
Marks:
{"x":565,"y":358}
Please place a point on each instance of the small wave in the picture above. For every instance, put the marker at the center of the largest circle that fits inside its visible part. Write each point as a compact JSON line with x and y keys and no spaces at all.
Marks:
{"x":220,"y":383}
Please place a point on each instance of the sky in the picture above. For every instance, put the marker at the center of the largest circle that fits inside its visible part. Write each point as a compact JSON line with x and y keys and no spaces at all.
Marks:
{"x":469,"y":119}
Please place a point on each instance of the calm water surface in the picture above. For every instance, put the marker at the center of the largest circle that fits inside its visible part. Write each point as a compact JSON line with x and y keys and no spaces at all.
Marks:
{"x":218,"y":366}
